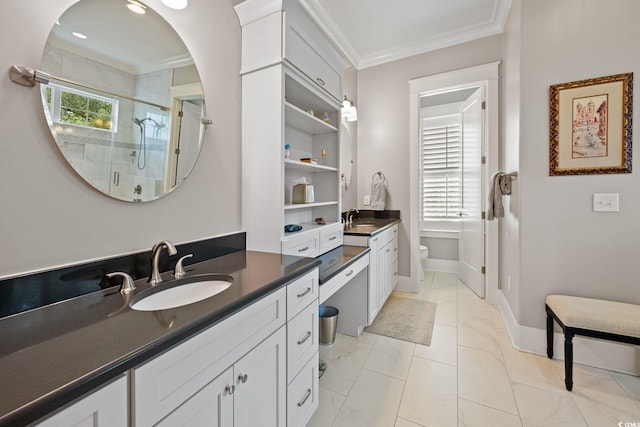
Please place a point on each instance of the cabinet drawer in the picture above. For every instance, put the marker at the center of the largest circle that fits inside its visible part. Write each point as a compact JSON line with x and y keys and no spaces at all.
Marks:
{"x":305,"y":57}
{"x":303,"y":245}
{"x":302,"y":339}
{"x":332,"y":286}
{"x":165,"y":382}
{"x":330,"y":237}
{"x":301,"y":292}
{"x":388,"y":235}
{"x":302,"y":395}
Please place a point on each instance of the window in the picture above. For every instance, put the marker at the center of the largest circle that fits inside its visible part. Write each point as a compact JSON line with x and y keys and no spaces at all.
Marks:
{"x":441,"y":167}
{"x":79,"y":108}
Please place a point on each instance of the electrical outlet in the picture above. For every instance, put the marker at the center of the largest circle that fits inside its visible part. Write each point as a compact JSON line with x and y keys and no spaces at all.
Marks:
{"x":367,"y":200}
{"x":606,"y":202}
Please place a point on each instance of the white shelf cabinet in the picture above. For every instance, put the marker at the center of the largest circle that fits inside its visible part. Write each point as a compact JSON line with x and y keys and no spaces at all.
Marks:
{"x":291,"y":89}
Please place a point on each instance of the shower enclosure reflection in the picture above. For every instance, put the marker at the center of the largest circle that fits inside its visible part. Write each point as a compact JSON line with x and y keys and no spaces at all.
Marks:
{"x":127,"y":117}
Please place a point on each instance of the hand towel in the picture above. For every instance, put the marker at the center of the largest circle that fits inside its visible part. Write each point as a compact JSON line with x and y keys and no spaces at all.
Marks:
{"x":378,"y":192}
{"x":495,"y":209}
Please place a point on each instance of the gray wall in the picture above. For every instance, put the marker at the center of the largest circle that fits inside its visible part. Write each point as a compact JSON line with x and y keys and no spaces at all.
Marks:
{"x":49,"y":216}
{"x":564,"y":246}
{"x":383,"y":121}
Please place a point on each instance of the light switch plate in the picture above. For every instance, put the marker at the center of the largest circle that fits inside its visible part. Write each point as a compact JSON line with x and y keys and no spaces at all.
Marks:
{"x":367,"y":200}
{"x":606,"y":202}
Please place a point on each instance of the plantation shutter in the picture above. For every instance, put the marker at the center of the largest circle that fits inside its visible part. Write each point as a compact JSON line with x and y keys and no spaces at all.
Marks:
{"x":441,"y":162}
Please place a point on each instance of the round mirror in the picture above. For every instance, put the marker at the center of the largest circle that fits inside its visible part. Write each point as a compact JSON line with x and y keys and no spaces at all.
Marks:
{"x":124,"y":103}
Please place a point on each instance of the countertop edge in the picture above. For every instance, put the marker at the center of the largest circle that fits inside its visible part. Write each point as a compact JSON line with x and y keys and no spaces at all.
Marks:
{"x":379,"y":230}
{"x":62,"y":397}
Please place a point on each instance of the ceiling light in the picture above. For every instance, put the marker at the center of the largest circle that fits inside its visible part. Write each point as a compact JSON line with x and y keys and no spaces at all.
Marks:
{"x":136,"y":7}
{"x":79,"y":35}
{"x":176,"y":4}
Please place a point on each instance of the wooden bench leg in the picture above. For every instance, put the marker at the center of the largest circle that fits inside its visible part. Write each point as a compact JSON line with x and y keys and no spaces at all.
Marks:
{"x":568,"y":360}
{"x":549,"y":335}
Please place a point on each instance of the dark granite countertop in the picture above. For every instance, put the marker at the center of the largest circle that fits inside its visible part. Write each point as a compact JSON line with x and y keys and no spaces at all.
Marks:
{"x":369,"y":226}
{"x":52,"y":355}
{"x":336,"y":260}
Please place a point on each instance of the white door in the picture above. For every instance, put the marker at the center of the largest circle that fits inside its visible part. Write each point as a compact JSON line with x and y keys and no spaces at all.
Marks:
{"x":471,"y":244}
{"x":189,"y":132}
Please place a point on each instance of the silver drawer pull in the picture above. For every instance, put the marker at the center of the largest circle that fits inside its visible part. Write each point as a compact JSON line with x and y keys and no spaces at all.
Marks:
{"x":395,"y":249}
{"x":375,"y":240}
{"x":306,"y":248}
{"x":307,"y":292}
{"x":230,"y":389}
{"x":243,"y":378}
{"x":395,"y":273}
{"x":349,"y":273}
{"x":306,"y":337}
{"x":333,"y":238}
{"x":306,"y":396}
{"x":320,"y":81}
{"x":388,"y":250}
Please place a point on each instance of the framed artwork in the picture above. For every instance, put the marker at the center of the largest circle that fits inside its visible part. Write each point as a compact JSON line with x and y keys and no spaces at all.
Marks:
{"x":590,"y":126}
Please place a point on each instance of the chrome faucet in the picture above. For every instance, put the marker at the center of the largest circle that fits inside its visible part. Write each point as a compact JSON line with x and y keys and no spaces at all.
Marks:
{"x":155,"y":277}
{"x":349,"y":215}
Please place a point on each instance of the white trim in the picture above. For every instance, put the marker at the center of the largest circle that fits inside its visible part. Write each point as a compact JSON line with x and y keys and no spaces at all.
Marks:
{"x":482,"y":75}
{"x":440,"y":234}
{"x":447,"y":265}
{"x":591,"y":352}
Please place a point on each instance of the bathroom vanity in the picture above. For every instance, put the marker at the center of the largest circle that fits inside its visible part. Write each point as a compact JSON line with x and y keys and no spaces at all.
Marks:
{"x":247,"y":356}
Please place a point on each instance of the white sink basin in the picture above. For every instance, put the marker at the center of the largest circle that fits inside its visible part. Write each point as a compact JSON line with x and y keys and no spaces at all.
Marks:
{"x":180,"y":294}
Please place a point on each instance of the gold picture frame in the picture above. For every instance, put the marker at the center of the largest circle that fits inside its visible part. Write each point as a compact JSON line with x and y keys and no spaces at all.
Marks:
{"x":590,"y":126}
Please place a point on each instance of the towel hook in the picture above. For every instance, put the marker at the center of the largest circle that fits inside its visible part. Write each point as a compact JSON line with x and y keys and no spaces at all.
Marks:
{"x":380,"y":174}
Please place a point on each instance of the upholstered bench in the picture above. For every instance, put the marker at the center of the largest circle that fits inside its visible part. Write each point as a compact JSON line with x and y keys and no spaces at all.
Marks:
{"x":609,"y":320}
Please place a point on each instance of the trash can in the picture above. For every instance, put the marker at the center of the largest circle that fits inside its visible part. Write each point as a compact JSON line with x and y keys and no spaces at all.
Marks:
{"x":328,"y":324}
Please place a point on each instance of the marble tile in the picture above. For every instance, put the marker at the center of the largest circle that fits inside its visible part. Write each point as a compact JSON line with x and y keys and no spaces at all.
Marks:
{"x":372,"y":402}
{"x":345,"y":359}
{"x":463,"y":289}
{"x":498,"y":320}
{"x":430,"y":395}
{"x":603,"y":402}
{"x":629,"y":383}
{"x":428,"y":276}
{"x":546,"y":408}
{"x":478,"y":333}
{"x":581,"y":370}
{"x":447,"y":313}
{"x":445,"y":277}
{"x":368,"y":337}
{"x":474,"y":307}
{"x":444,"y":345}
{"x":471,"y":414}
{"x":329,"y":406}
{"x":443,"y":292}
{"x":401,"y":422}
{"x":530,"y":369}
{"x":483,"y":378}
{"x":390,"y":357}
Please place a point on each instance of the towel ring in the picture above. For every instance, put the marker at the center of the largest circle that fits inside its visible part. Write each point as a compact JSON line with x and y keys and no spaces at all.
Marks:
{"x":384,"y":178}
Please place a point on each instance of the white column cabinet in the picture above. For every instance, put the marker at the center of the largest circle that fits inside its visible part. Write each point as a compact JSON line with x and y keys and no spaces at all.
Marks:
{"x":291,"y":90}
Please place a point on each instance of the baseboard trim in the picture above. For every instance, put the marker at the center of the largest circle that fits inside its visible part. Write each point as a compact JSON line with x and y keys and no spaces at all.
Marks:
{"x":601,"y":354}
{"x":445,"y":265}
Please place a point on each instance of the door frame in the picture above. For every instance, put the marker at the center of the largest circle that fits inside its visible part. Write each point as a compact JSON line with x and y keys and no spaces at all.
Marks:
{"x":482,"y":75}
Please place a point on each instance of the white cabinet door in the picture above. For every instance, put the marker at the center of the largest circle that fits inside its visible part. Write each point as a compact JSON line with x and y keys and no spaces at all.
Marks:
{"x":106,"y":407}
{"x":212,"y":406}
{"x":260,"y":395}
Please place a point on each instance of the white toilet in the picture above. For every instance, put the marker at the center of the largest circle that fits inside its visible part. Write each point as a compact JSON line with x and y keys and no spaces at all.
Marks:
{"x":424,"y":254}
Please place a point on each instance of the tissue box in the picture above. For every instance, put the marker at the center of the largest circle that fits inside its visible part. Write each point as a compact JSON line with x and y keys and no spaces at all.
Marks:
{"x":303,"y":193}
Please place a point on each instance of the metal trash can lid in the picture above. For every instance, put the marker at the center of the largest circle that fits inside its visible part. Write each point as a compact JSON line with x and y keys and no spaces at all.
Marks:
{"x":327,"y":311}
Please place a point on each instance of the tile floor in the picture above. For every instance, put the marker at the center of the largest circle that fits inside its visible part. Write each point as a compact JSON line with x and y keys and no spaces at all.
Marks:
{"x":470,"y":375}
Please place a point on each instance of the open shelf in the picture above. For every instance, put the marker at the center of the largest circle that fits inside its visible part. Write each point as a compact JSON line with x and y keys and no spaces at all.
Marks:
{"x":305,"y":122}
{"x":308,"y":167}
{"x":309,"y":205}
